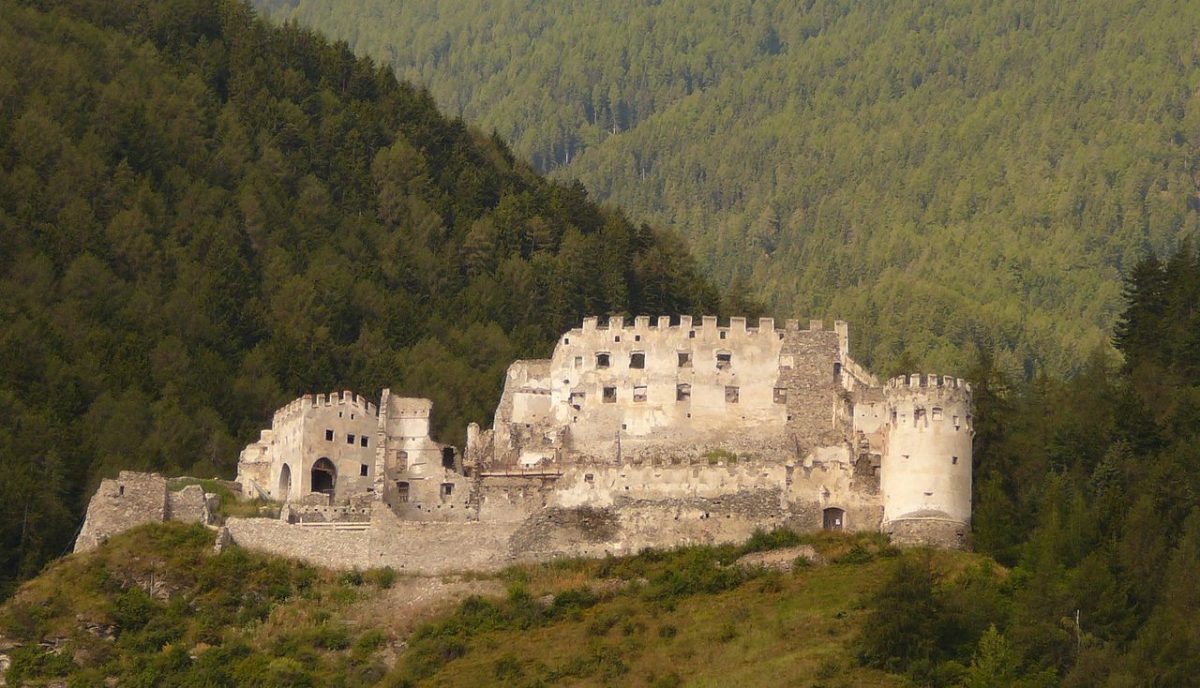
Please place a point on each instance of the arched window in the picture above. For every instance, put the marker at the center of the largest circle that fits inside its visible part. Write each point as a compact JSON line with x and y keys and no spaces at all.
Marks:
{"x":285,"y":482}
{"x":324,"y":476}
{"x":834,"y":519}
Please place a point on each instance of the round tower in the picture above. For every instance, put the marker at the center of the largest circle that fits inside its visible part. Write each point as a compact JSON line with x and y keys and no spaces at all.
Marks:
{"x":926,"y":465}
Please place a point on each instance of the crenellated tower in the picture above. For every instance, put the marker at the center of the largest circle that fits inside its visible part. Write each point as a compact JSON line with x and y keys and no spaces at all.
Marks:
{"x":926,"y":468}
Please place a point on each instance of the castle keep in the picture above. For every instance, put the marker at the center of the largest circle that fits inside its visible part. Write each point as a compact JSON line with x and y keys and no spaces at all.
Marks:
{"x":650,"y":433}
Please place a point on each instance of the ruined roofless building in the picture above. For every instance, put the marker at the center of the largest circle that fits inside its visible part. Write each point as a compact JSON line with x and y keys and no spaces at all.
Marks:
{"x":669,"y":431}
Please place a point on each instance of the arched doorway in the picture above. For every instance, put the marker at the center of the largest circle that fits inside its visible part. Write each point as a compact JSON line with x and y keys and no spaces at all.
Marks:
{"x":835,"y":518}
{"x":324,"y":476}
{"x":285,"y":483}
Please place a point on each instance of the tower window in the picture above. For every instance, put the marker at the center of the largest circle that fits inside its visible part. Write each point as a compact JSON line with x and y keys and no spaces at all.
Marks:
{"x":724,"y":360}
{"x":610,"y":395}
{"x":363,"y":469}
{"x":402,"y":491}
{"x":579,"y":361}
{"x":780,"y":395}
{"x":937,"y":413}
{"x":637,"y":360}
{"x":731,"y":394}
{"x":350,"y":438}
{"x":691,"y":334}
{"x":362,"y":441}
{"x":639,"y":393}
{"x":328,"y":435}
{"x":603,"y":360}
{"x":954,"y":460}
{"x":685,"y":359}
{"x":447,"y":490}
{"x":723,"y":334}
{"x":683,"y":392}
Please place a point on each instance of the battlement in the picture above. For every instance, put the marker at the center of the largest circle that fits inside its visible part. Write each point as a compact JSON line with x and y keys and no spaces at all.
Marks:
{"x":918,"y":381}
{"x":410,"y":407}
{"x":703,"y":326}
{"x":346,"y":398}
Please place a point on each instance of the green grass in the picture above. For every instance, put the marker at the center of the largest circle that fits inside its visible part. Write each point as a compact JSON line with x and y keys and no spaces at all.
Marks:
{"x":172,"y":613}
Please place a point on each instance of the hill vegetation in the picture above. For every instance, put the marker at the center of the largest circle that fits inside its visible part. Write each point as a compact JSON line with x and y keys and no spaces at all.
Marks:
{"x":940,"y":174}
{"x":202,"y":217}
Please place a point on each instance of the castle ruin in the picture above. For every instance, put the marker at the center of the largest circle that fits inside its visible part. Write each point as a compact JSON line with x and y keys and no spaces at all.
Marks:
{"x":654,"y":433}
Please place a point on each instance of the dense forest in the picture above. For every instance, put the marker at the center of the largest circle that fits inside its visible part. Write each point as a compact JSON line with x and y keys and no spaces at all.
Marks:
{"x":202,"y":217}
{"x":1090,"y":490}
{"x":939,"y":174}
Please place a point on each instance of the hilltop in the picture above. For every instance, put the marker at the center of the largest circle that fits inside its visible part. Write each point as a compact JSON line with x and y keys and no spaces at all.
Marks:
{"x":941,"y":174}
{"x":156,"y":607}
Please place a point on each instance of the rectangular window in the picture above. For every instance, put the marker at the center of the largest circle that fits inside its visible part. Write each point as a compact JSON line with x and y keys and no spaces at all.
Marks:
{"x":787,"y":362}
{"x":918,"y":416}
{"x":722,"y":334}
{"x":639,"y":393}
{"x":683,"y":392}
{"x":350,"y":438}
{"x":691,"y":334}
{"x":731,"y":394}
{"x":402,"y":491}
{"x":362,"y":441}
{"x":577,"y":399}
{"x":937,"y":413}
{"x":685,"y":359}
{"x":954,"y":460}
{"x":637,"y":359}
{"x":579,"y":361}
{"x":328,"y":435}
{"x":724,"y":360}
{"x":447,"y":490}
{"x":362,"y":470}
{"x":610,"y":395}
{"x":603,"y":360}
{"x":780,"y":395}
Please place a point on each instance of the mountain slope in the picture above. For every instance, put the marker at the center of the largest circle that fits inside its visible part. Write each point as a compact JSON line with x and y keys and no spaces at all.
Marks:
{"x":202,"y":217}
{"x":940,"y":174}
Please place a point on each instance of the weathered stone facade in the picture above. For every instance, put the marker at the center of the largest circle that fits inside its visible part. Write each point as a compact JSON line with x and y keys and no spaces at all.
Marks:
{"x":655,"y":433}
{"x":132,"y":499}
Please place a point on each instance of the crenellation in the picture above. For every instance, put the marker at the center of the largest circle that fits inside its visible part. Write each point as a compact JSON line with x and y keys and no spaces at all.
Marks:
{"x":792,"y":325}
{"x":664,"y":322}
{"x":766,"y":325}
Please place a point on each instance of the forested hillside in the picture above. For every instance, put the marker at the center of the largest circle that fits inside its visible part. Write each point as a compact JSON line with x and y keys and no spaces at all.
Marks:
{"x":937,"y":173}
{"x":202,"y":217}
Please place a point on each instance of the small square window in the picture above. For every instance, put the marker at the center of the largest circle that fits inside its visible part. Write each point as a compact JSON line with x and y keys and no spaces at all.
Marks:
{"x":579,"y":361}
{"x":731,"y":394}
{"x":362,"y":469}
{"x":639,"y":393}
{"x":447,"y":489}
{"x":603,"y":360}
{"x":637,"y":360}
{"x":617,"y":338}
{"x":328,"y":435}
{"x":637,"y":337}
{"x":610,"y":395}
{"x":566,"y":340}
{"x":691,"y":334}
{"x":350,"y":439}
{"x":724,"y":361}
{"x":954,"y":460}
{"x":780,"y":395}
{"x":722,"y":334}
{"x":685,"y":359}
{"x":362,"y":441}
{"x":937,"y":413}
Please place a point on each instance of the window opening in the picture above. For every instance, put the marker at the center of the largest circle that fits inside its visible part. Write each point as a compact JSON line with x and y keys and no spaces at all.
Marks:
{"x":639,"y":392}
{"x":837,"y":372}
{"x":362,"y":470}
{"x":637,"y":360}
{"x":602,"y":360}
{"x":683,"y":392}
{"x":937,"y":413}
{"x":579,"y":361}
{"x":328,"y":435}
{"x":350,"y":438}
{"x":447,"y":490}
{"x":833,"y":518}
{"x":610,"y":395}
{"x":448,"y":458}
{"x":724,"y":360}
{"x":577,"y":399}
{"x":780,"y":395}
{"x":401,"y":491}
{"x":731,"y":394}
{"x":691,"y":334}
{"x":722,"y":334}
{"x":362,"y":441}
{"x":954,"y":460}
{"x":685,"y":359}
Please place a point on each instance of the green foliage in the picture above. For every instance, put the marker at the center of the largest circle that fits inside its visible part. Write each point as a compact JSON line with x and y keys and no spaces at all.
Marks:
{"x":939,"y":174}
{"x":202,"y":217}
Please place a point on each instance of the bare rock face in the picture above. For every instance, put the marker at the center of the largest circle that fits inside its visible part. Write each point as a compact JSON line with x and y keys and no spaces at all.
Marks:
{"x":780,"y":559}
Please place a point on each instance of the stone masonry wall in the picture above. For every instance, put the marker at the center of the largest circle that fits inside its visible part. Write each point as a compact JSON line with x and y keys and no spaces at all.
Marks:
{"x":118,"y":505}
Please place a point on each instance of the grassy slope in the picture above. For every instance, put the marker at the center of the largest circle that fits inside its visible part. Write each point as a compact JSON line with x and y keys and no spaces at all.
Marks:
{"x":657,"y":619}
